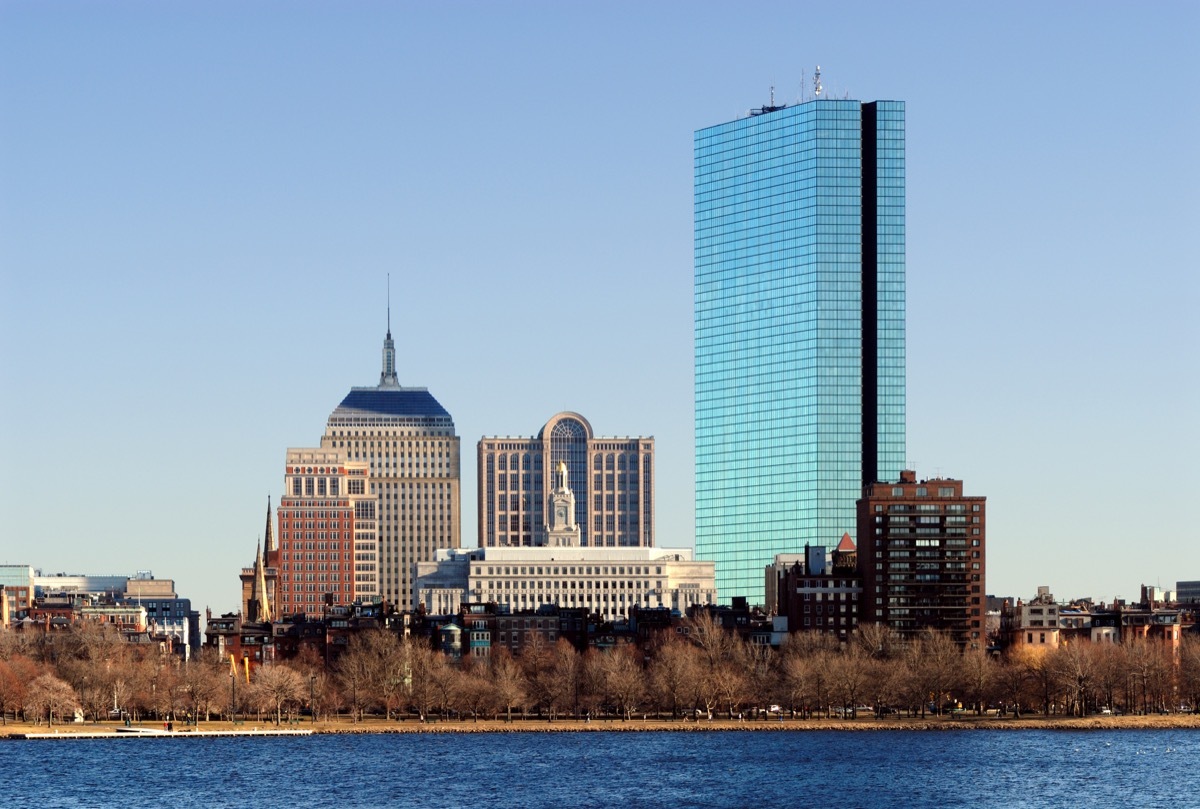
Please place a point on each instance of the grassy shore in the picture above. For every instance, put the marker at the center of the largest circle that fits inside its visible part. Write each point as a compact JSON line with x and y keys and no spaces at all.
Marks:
{"x":961,"y":722}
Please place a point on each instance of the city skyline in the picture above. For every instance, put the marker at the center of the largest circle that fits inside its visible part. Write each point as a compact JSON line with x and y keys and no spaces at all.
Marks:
{"x":200,"y":209}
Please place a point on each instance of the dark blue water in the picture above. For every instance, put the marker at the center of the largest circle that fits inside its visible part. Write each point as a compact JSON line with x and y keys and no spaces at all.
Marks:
{"x":908,"y":769}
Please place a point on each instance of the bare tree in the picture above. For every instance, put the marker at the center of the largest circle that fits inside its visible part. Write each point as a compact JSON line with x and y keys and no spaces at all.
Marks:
{"x":1189,"y":671}
{"x":879,"y":641}
{"x":728,"y":681}
{"x":935,"y":665}
{"x":1013,"y":681}
{"x":444,"y":679}
{"x":50,"y":696}
{"x":508,"y":681}
{"x":354,"y":669}
{"x":1110,"y":675}
{"x":561,"y":683}
{"x":722,"y":670}
{"x":978,"y":678}
{"x":1039,"y":673}
{"x":476,"y":694}
{"x":277,"y":686}
{"x":848,"y":678}
{"x":422,"y":689}
{"x":624,"y":681}
{"x":396,"y":671}
{"x":673,"y":671}
{"x":536,"y":658}
{"x":796,"y":671}
{"x":762,"y":674}
{"x":1073,"y":664}
{"x":204,"y":682}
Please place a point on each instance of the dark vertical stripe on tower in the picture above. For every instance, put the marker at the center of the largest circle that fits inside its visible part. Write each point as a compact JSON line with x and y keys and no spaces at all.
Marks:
{"x":870,"y":299}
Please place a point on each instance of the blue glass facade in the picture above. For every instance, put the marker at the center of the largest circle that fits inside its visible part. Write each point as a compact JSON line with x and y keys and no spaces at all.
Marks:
{"x":799,"y":328}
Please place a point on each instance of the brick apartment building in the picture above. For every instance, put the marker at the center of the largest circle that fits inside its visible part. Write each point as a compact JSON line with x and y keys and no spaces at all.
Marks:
{"x":922,"y":550}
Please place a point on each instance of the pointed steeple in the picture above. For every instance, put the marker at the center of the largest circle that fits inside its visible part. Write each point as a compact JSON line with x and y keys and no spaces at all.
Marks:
{"x":260,"y":588}
{"x":387,"y":377}
{"x":269,"y":543}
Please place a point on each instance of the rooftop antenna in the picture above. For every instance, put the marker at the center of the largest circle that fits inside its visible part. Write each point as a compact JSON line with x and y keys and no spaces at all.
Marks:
{"x":389,"y":304}
{"x":817,"y":83}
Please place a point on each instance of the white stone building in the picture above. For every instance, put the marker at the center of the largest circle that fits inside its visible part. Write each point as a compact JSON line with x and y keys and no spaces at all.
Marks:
{"x":607,"y":581}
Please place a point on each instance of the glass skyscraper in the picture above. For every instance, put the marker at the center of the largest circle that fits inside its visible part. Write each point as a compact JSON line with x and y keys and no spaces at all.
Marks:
{"x":799,"y":319}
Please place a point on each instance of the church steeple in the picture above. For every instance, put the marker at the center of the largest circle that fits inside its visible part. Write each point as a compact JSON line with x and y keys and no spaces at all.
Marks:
{"x":260,"y":599}
{"x":269,"y":543}
{"x":387,"y":377}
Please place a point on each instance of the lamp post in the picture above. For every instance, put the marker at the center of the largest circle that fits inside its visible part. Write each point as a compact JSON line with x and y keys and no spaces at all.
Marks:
{"x":312,"y":706}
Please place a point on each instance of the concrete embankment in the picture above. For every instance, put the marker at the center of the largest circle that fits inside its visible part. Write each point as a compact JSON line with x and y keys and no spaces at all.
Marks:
{"x":340,"y":726}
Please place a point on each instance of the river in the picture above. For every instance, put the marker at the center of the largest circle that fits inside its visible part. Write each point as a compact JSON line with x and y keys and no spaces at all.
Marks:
{"x":878,"y":769}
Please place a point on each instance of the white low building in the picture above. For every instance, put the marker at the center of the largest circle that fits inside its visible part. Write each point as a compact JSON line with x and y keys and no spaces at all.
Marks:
{"x":605,"y":580}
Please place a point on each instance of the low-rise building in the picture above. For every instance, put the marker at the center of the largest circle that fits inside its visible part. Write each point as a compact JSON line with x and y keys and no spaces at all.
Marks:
{"x":16,"y":588}
{"x":608,"y":581}
{"x":1036,"y":623}
{"x":821,"y":591}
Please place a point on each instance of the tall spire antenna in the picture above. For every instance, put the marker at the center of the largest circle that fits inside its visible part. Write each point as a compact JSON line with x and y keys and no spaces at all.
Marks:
{"x":387,"y":377}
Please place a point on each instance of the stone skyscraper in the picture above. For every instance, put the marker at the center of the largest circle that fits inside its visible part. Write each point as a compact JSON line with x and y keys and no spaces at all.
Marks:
{"x":612,"y":480}
{"x":407,"y":440}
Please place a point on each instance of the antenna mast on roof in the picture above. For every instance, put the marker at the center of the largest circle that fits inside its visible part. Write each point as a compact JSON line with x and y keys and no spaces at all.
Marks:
{"x":817,"y":83}
{"x":389,"y":304}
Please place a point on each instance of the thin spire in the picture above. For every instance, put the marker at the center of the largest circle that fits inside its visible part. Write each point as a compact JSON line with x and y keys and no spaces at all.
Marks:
{"x":269,"y":544}
{"x":387,"y":377}
{"x":260,"y":586}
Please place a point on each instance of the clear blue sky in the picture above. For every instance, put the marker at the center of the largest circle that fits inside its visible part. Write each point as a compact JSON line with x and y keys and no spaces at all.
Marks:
{"x":199,"y":204}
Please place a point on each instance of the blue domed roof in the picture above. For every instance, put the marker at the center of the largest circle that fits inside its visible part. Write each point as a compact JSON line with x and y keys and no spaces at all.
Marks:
{"x":386,"y":401}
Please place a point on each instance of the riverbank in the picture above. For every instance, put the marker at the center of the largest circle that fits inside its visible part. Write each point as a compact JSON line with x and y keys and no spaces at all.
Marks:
{"x":345,"y":726}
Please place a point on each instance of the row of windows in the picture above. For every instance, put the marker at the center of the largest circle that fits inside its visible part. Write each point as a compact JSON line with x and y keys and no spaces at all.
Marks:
{"x":552,"y":584}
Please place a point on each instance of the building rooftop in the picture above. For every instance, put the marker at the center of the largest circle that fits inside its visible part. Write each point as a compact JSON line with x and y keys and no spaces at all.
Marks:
{"x":405,"y":402}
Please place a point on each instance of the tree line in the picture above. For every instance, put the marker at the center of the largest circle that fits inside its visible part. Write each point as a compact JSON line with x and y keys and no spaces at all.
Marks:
{"x":698,"y":671}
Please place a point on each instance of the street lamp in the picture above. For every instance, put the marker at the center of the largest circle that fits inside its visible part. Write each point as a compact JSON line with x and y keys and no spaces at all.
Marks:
{"x":312,"y":706}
